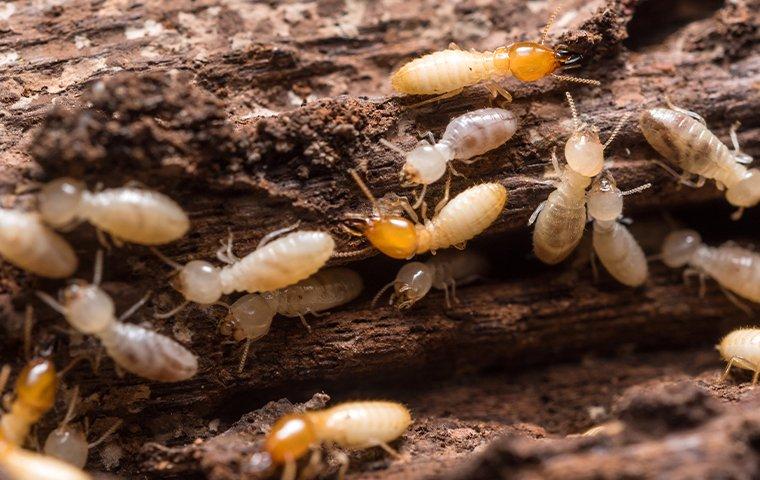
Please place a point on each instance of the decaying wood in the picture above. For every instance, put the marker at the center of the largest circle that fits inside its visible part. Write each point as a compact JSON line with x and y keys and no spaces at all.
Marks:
{"x":250,"y":114}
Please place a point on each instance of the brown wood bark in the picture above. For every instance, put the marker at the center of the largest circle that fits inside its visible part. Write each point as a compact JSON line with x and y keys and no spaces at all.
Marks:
{"x":250,"y":114}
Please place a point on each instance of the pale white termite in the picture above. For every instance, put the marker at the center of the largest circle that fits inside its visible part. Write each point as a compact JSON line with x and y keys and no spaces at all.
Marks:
{"x":561,"y":219}
{"x":683,"y":138}
{"x":444,"y":271}
{"x":250,"y":317}
{"x":741,"y":348}
{"x":352,"y":425}
{"x":466,"y":137}
{"x":273,"y":265}
{"x":454,"y":223}
{"x":736,"y":269}
{"x":134,"y":348}
{"x":613,"y":243}
{"x":135,"y":215}
{"x":35,"y":396}
{"x":27,"y":243}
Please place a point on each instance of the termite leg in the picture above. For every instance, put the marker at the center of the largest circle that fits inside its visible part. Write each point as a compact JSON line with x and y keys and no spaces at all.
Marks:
{"x":390,"y":450}
{"x":437,"y":98}
{"x":690,"y":272}
{"x":342,"y":459}
{"x":28,"y":324}
{"x":535,"y":213}
{"x":454,"y":170}
{"x":418,"y":200}
{"x":224,"y":253}
{"x":739,"y":156}
{"x":439,"y":206}
{"x":454,"y":291}
{"x":727,"y":370}
{"x":312,"y":469}
{"x":454,"y":46}
{"x":289,"y":470}
{"x":594,"y":268}
{"x":735,"y":300}
{"x":497,"y":90}
{"x":97,"y":270}
{"x":737,"y":214}
{"x":304,"y":322}
{"x":102,"y":240}
{"x":272,"y":235}
{"x":446,"y":296}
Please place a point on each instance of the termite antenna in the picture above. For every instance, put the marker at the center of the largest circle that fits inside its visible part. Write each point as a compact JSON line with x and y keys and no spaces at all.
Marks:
{"x":118,"y":423}
{"x":355,"y":253}
{"x":97,"y":270}
{"x":72,"y":406}
{"x":568,"y":78}
{"x":244,"y":356}
{"x":574,"y":111}
{"x":51,"y":302}
{"x":131,"y":310}
{"x":393,"y":147}
{"x":165,"y":259}
{"x":379,"y":294}
{"x":172,"y":312}
{"x":638,"y":189}
{"x":617,"y":129}
{"x":363,"y":187}
{"x":689,"y":113}
{"x":28,"y":324}
{"x":549,"y":23}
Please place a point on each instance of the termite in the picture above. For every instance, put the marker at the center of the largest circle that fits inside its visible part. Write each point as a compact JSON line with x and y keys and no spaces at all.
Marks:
{"x":741,"y":348}
{"x":276,"y":263}
{"x":443,"y":272}
{"x":736,"y":269}
{"x":132,"y":214}
{"x":454,"y":223}
{"x":35,"y":395}
{"x":352,"y":425}
{"x":466,"y":137}
{"x":613,"y":243}
{"x":447,"y":72}
{"x":251,"y":315}
{"x":136,"y":349}
{"x":29,"y":244}
{"x":683,"y":138}
{"x":561,"y":218}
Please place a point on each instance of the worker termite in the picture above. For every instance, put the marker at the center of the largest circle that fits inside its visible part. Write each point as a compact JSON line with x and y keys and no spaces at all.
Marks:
{"x":617,"y":249}
{"x":35,"y":396}
{"x":136,"y":215}
{"x":251,"y":315}
{"x":274,"y":264}
{"x":561,"y":218}
{"x":454,"y":223}
{"x":443,"y":272}
{"x":447,"y":72}
{"x":134,"y":348}
{"x":353,"y":425}
{"x":27,"y":243}
{"x":741,"y":348}
{"x":683,"y":138}
{"x":736,"y":269}
{"x":466,"y":137}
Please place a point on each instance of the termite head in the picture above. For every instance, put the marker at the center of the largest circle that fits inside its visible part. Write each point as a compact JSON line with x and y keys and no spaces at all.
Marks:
{"x":584,"y":150}
{"x":679,"y":247}
{"x":527,"y":61}
{"x":249,"y":317}
{"x":746,"y":192}
{"x":58,"y":202}
{"x":68,"y":443}
{"x":290,"y":438}
{"x":88,"y":308}
{"x":426,"y":163}
{"x":412,"y":283}
{"x":605,"y":200}
{"x":199,"y":281}
{"x":36,"y":385}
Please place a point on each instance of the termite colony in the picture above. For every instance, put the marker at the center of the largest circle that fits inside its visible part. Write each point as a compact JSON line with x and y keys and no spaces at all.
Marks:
{"x":284,"y":274}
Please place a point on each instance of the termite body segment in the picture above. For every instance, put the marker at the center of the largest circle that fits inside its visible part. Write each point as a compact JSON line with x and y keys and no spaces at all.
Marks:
{"x":688,"y":143}
{"x":735,"y":268}
{"x":251,"y":315}
{"x":353,"y":425}
{"x":19,"y":464}
{"x":29,"y":244}
{"x":466,"y":136}
{"x":741,"y":348}
{"x":135,"y":215}
{"x":613,"y":243}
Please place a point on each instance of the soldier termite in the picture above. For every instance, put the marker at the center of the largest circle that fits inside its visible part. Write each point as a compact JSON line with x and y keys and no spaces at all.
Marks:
{"x":27,"y":243}
{"x":447,"y":72}
{"x":276,"y":263}
{"x":561,"y":219}
{"x":444,"y":272}
{"x":135,"y":215}
{"x":134,"y":348}
{"x":251,"y":315}
{"x":466,"y":137}
{"x":35,"y":396}
{"x":454,"y":223}
{"x":741,"y":348}
{"x":683,"y":138}
{"x":617,"y":249}
{"x":736,"y":269}
{"x":352,"y":425}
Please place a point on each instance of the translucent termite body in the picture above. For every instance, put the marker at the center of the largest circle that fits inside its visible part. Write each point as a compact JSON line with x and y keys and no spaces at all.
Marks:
{"x":613,"y":243}
{"x":251,"y":315}
{"x":352,"y":425}
{"x":444,"y":272}
{"x":448,"y":71}
{"x":136,"y":349}
{"x":27,"y":243}
{"x":735,"y":268}
{"x":135,"y":215}
{"x":466,"y":136}
{"x":687,"y":142}
{"x":35,"y":396}
{"x":741,"y":348}
{"x":459,"y":220}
